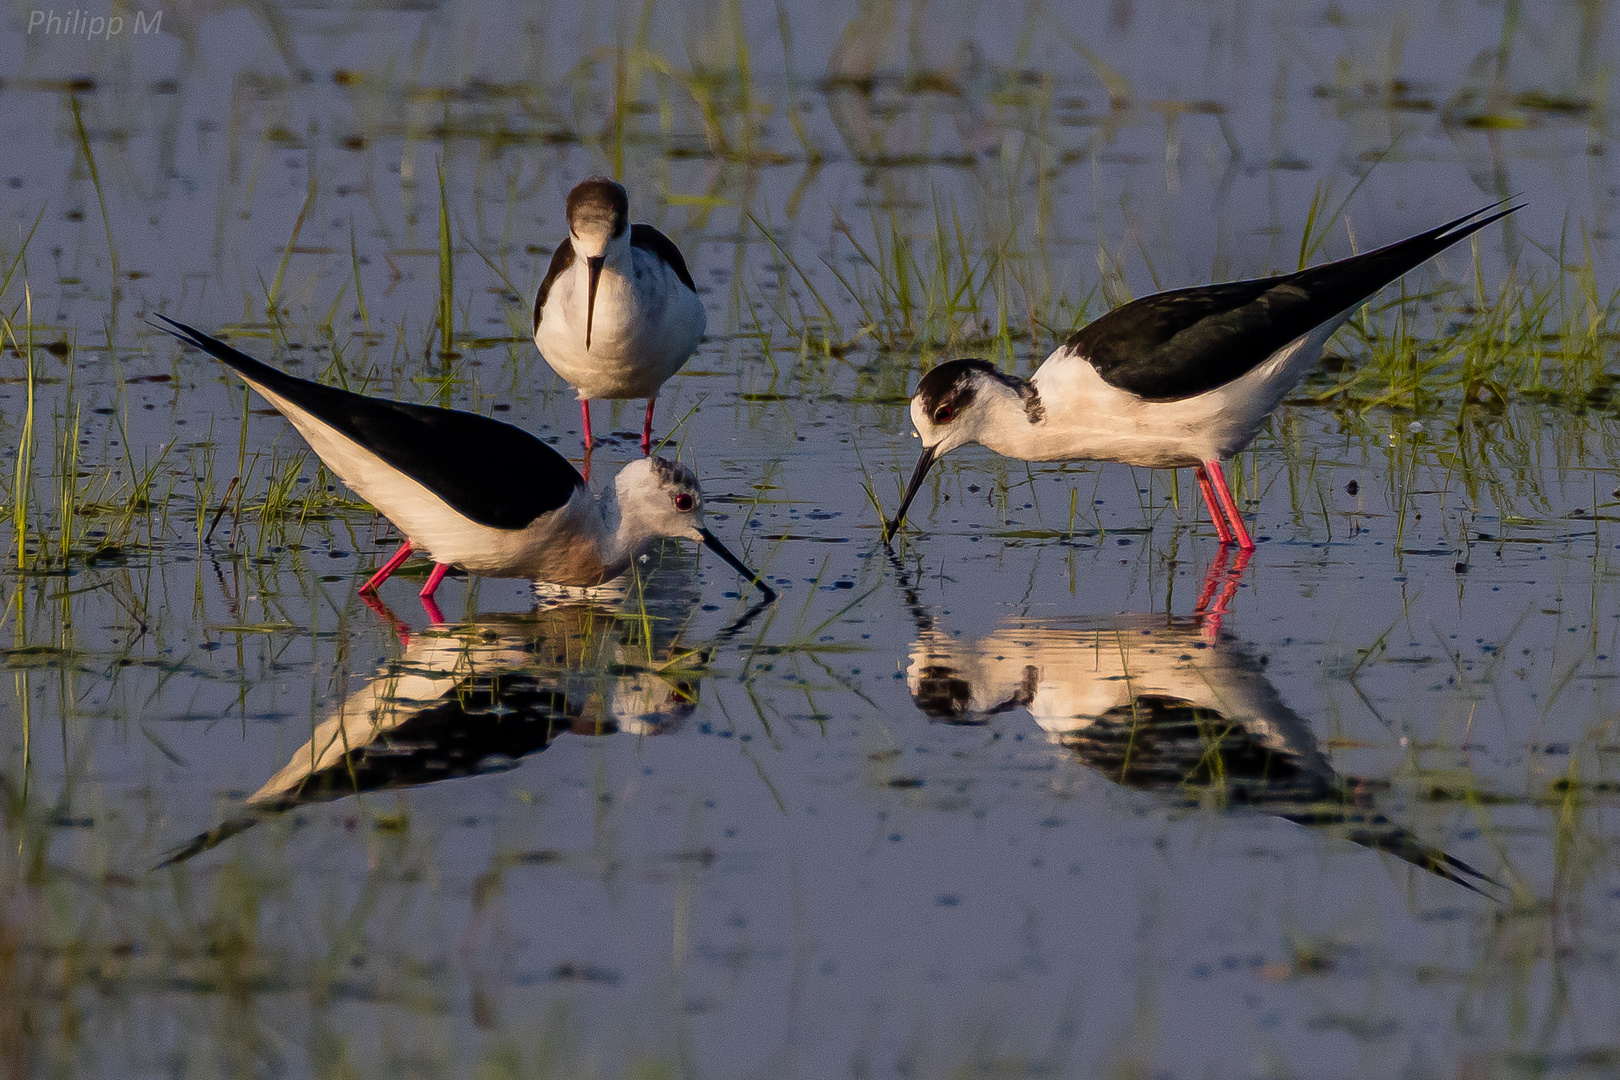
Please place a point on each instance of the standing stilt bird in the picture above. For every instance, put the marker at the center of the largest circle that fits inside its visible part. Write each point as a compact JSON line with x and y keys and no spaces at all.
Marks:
{"x":618,"y":312}
{"x":474,"y":492}
{"x":1177,"y":379}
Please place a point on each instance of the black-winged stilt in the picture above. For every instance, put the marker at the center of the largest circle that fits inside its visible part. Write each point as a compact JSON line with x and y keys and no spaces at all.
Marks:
{"x":618,"y":312}
{"x":474,"y":492}
{"x":1176,"y":379}
{"x":1155,"y":703}
{"x":477,"y":697}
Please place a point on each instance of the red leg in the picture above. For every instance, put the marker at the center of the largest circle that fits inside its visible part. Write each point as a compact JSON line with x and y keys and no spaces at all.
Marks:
{"x":585,"y":413}
{"x":439,"y":570}
{"x":1229,"y":504}
{"x":403,"y":553}
{"x":1216,"y":518}
{"x":433,"y":613}
{"x":646,"y":428}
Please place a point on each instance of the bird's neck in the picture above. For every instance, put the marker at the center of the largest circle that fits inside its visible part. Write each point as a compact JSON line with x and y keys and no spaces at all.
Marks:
{"x":1009,"y":416}
{"x":616,"y":256}
{"x":623,"y":536}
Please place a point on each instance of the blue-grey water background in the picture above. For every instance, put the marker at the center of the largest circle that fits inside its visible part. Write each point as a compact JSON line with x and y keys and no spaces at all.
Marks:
{"x":780,"y":865}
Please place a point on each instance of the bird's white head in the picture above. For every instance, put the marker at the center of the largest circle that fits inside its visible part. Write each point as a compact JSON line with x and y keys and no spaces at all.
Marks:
{"x":598,"y":214}
{"x":659,"y":497}
{"x":961,"y":402}
{"x":954,"y":401}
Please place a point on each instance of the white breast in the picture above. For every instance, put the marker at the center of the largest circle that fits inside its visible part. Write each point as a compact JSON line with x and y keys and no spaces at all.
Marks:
{"x":646,"y":325}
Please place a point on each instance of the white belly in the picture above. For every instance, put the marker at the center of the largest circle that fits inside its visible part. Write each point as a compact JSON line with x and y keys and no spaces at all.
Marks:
{"x":1089,"y":419}
{"x":644,"y":328}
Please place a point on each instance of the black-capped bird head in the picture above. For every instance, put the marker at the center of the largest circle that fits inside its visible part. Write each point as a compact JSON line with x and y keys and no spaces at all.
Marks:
{"x":664,"y":498}
{"x":598,"y":216}
{"x":955,"y":404}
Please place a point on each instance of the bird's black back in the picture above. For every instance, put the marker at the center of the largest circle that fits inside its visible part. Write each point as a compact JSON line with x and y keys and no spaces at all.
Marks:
{"x":647,"y":238}
{"x":490,"y":472}
{"x":1178,"y":344}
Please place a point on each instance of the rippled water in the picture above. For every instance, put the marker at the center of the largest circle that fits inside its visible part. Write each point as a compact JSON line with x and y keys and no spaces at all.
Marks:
{"x":1053,"y":789}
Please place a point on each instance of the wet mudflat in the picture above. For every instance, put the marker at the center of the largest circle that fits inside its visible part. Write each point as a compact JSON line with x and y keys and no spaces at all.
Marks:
{"x":1054,"y":788}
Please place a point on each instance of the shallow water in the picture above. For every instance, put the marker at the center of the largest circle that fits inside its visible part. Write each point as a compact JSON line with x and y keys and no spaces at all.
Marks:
{"x":1053,"y":789}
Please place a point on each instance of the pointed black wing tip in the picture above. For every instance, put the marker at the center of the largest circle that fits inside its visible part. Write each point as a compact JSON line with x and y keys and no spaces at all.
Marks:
{"x":176,"y":328}
{"x":184,"y":853}
{"x":1470,"y":223}
{"x":1454,"y":870}
{"x":194,"y":337}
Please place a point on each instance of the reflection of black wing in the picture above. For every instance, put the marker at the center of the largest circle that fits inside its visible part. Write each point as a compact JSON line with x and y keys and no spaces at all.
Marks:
{"x":484,"y":725}
{"x":1170,"y":746}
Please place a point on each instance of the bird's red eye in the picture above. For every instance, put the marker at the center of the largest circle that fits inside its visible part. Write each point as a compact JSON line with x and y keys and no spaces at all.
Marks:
{"x":684,"y":502}
{"x":943,"y":414}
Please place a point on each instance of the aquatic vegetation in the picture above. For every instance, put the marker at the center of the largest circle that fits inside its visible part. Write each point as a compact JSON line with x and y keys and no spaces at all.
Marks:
{"x":808,"y":856}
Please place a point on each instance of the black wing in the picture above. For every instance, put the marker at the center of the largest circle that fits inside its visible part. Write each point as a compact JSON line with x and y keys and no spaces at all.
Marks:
{"x":480,"y":726}
{"x":1173,"y":747}
{"x":650,"y":239}
{"x":492,"y":473}
{"x":561,"y":260}
{"x":1179,"y":344}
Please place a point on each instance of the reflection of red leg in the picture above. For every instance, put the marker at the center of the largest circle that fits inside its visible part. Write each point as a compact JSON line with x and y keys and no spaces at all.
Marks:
{"x":1215,"y":516}
{"x":1229,"y":504}
{"x":646,"y":428}
{"x":388,"y":568}
{"x":1212,"y":574}
{"x":381,"y":609}
{"x":433,"y":580}
{"x":1212,"y":607}
{"x":585,"y":465}
{"x":585,"y":414}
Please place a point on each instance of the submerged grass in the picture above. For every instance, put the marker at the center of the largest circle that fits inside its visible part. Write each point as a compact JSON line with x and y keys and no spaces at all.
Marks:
{"x":947,"y":249}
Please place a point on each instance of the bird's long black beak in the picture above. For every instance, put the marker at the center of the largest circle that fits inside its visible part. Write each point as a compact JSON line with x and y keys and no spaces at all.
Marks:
{"x":593,"y":274}
{"x":924,"y":463}
{"x":712,"y":542}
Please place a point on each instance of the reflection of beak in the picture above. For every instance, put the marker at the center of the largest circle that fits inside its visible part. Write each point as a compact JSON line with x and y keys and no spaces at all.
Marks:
{"x":924,"y":463}
{"x":712,"y":542}
{"x":593,"y":272}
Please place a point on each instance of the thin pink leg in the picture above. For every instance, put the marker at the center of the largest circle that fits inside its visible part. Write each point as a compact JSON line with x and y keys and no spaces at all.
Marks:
{"x":439,"y":570}
{"x":585,"y":413}
{"x":433,"y":613}
{"x":400,"y":555}
{"x":1216,"y":518}
{"x":646,"y":428}
{"x":1229,"y":504}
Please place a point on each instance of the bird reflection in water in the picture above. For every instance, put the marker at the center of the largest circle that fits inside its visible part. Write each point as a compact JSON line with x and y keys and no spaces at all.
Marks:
{"x":479,"y":696}
{"x":1164,"y":704}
